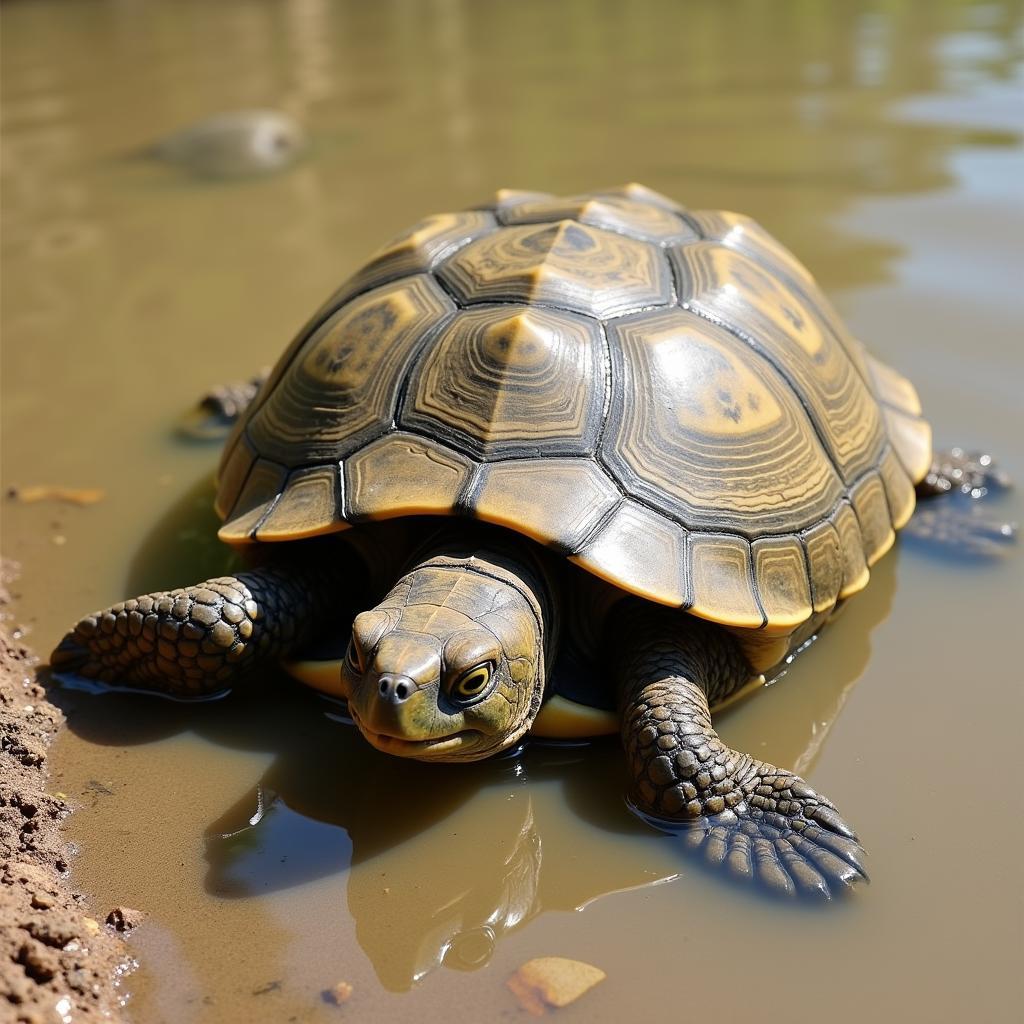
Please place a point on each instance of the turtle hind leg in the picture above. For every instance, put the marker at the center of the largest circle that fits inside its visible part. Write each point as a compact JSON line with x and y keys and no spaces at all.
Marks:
{"x":972,"y":473}
{"x":961,"y":523}
{"x":197,"y":640}
{"x":758,"y":822}
{"x":220,"y":408}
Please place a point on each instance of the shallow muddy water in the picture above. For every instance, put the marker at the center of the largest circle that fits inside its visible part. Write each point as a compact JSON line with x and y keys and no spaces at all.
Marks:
{"x":882,"y":142}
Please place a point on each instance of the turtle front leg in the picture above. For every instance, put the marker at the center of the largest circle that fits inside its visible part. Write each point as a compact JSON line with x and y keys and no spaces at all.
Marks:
{"x":758,"y":821}
{"x":198,"y":640}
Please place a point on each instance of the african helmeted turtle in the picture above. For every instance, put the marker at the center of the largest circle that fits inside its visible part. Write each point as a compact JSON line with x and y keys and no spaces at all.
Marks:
{"x":629,"y":459}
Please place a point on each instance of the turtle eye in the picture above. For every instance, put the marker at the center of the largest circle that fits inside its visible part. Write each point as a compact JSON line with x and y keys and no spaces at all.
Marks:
{"x":354,"y":657}
{"x":472,"y":683}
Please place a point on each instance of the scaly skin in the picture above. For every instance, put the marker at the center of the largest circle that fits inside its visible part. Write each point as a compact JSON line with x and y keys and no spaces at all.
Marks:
{"x":198,"y":640}
{"x":758,"y":820}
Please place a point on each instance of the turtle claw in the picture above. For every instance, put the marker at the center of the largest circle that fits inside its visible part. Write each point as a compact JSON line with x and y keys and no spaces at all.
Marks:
{"x":808,"y":852}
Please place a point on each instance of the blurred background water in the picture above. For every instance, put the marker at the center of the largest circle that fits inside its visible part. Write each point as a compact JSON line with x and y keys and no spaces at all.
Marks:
{"x":880,"y":141}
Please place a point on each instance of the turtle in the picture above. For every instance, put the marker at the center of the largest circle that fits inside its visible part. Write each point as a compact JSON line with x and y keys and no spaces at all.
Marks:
{"x":581,"y":465}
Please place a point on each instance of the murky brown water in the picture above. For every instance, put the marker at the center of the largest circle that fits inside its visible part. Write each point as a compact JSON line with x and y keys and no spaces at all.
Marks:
{"x":882,"y":142}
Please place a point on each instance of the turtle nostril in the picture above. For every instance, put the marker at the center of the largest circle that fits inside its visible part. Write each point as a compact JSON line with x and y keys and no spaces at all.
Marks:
{"x":395,"y":689}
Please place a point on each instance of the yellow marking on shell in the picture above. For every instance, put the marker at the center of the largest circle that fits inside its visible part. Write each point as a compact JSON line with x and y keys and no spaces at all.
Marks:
{"x":898,"y":488}
{"x":736,"y":275}
{"x":234,"y":469}
{"x":404,"y":475}
{"x":791,"y":331}
{"x":745,"y":235}
{"x":780,"y":573}
{"x":507,"y":198}
{"x":642,"y":194}
{"x":554,"y":501}
{"x":825,"y":558}
{"x":343,"y":383}
{"x":893,"y":388}
{"x":325,"y":676}
{"x":912,"y":439}
{"x":709,"y":387}
{"x":855,"y":568}
{"x":564,"y":264}
{"x":720,"y":573}
{"x":508,"y":377}
{"x":646,"y":221}
{"x":264,"y":483}
{"x":872,"y":508}
{"x":639,"y":551}
{"x":564,"y":719}
{"x":707,"y":429}
{"x":417,"y":250}
{"x":308,"y":507}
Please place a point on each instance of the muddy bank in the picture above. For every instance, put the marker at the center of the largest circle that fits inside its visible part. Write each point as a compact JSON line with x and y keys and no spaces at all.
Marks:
{"x":57,"y":960}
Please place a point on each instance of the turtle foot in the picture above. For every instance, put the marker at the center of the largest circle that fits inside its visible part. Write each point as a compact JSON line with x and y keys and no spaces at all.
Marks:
{"x":185,"y":642}
{"x":783,"y":837}
{"x":219,"y":409}
{"x":972,"y":473}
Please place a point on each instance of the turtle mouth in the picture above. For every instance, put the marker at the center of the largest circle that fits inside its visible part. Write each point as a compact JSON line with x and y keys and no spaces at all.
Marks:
{"x":441,"y":746}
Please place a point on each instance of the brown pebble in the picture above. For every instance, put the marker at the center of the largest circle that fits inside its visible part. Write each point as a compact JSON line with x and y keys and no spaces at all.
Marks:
{"x":552,"y":981}
{"x":338,"y":994}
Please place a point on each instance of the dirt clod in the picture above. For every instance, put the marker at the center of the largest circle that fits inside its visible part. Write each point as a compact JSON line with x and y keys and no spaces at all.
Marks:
{"x":550,"y":982}
{"x":53,"y":957}
{"x":124,"y":919}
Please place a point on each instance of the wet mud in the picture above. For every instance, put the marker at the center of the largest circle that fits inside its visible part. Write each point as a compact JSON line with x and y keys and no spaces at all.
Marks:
{"x":58,"y":959}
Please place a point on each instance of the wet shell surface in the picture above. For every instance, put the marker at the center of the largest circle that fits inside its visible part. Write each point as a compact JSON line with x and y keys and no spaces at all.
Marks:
{"x":664,"y":396}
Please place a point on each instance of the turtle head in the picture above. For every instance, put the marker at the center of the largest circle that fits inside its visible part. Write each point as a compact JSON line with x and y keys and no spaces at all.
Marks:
{"x":450,"y":665}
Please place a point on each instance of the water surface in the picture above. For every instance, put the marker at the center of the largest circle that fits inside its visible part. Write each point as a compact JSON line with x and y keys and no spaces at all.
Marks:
{"x":882,"y":142}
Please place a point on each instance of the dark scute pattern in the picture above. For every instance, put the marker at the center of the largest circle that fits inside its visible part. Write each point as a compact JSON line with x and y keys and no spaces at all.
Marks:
{"x":544,"y":327}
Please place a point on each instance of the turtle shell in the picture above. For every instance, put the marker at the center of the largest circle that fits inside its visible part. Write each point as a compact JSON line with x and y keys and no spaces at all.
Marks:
{"x":665,"y":396}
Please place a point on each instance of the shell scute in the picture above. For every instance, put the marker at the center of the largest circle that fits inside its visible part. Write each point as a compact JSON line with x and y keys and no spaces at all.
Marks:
{"x":511,"y":380}
{"x":402,"y":474}
{"x":564,"y":264}
{"x":730,"y":288}
{"x":555,"y":501}
{"x":708,"y":431}
{"x":342,"y":388}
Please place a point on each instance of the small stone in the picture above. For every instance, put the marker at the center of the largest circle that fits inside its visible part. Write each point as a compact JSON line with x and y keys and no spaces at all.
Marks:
{"x":91,"y":925}
{"x":124,"y":919}
{"x":339,"y":994}
{"x":42,"y":901}
{"x":552,"y":981}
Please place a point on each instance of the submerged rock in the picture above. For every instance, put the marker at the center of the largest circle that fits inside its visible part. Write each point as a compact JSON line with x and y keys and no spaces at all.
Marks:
{"x":551,"y":982}
{"x":234,"y":145}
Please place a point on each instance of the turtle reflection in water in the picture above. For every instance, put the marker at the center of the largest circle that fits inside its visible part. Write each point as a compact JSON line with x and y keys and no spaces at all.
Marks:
{"x":633,"y":460}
